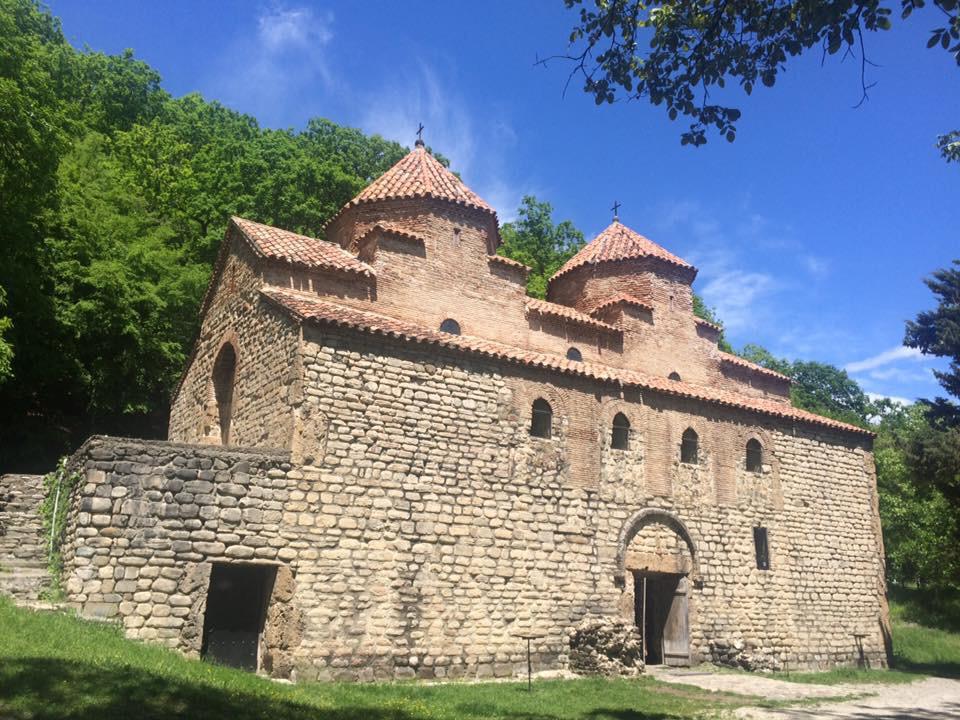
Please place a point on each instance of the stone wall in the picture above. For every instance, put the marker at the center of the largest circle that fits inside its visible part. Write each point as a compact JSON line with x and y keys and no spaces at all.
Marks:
{"x":424,"y":529}
{"x":23,"y":548}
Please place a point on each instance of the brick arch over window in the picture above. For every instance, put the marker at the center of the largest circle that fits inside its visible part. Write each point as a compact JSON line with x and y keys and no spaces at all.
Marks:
{"x":224,"y":381}
{"x":648,"y":517}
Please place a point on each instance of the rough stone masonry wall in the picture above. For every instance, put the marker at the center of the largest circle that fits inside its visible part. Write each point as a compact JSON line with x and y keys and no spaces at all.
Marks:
{"x":23,"y":551}
{"x":425,"y":528}
{"x":151,"y":518}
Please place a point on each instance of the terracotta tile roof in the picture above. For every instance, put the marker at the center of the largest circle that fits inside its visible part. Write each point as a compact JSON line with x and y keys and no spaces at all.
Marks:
{"x":746,"y":364}
{"x":420,"y":175}
{"x":707,"y":323}
{"x":624,"y":299}
{"x":297,"y":249}
{"x":305,"y":307}
{"x":618,"y":242}
{"x":509,"y":262}
{"x":399,"y":231}
{"x":543,"y":307}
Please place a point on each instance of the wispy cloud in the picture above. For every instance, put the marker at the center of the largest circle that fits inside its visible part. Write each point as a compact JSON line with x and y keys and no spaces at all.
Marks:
{"x":895,"y":398}
{"x":734,"y":294}
{"x":894,"y":354}
{"x":270,"y":73}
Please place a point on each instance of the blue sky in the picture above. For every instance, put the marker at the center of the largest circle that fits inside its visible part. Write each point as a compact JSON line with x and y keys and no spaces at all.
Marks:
{"x":813,"y":231}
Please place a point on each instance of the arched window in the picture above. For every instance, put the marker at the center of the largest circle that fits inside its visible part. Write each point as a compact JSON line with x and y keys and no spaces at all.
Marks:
{"x":450,"y":326}
{"x":541,"y":419}
{"x":674,"y":375}
{"x":690,"y":447}
{"x":224,"y":370}
{"x":754,"y":455}
{"x":575,"y":355}
{"x":620,"y":439}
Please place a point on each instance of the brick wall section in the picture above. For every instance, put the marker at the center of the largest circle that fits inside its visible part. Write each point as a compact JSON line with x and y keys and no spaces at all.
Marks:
{"x":424,"y":527}
{"x":267,"y":383}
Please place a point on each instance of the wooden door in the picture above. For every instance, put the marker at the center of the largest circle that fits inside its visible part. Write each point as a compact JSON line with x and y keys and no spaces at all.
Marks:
{"x":676,"y":629}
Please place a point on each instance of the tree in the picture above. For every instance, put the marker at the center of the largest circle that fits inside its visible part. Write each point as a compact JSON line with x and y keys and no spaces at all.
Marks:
{"x":937,"y":332}
{"x":676,"y":53}
{"x":534,"y":240}
{"x":6,"y":349}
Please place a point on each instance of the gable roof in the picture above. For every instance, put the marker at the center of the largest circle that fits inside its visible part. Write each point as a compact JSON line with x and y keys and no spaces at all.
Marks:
{"x":420,"y":175}
{"x":618,"y":242}
{"x":286,"y":246}
{"x":754,"y":367}
{"x":622,"y":299}
{"x":303,"y":307}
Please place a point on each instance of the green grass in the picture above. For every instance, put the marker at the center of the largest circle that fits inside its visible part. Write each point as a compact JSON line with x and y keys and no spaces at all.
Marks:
{"x":56,"y":666}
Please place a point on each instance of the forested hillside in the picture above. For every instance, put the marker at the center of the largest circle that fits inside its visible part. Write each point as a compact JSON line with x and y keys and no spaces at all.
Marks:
{"x":114,"y":197}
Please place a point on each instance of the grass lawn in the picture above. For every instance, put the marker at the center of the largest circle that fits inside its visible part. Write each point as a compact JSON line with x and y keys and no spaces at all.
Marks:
{"x":55,"y":666}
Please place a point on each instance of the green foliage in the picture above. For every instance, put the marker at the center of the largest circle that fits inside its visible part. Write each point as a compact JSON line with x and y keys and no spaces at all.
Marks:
{"x":920,"y":527}
{"x":58,"y":486}
{"x":681,"y":54}
{"x":115,"y":201}
{"x":536,"y":241}
{"x":937,"y":332}
{"x":6,"y":349}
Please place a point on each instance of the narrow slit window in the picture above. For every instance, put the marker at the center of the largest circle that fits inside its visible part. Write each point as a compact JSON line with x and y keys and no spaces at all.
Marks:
{"x":541,"y":419}
{"x":754,"y":456}
{"x":620,"y":438}
{"x":450,"y":326}
{"x":762,"y":548}
{"x":690,"y":447}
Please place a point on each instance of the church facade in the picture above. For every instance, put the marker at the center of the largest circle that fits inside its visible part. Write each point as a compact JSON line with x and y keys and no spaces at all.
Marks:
{"x":385,"y":460}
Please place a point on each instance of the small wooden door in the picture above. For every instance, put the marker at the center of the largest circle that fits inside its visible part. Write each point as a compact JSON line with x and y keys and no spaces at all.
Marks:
{"x":676,"y":628}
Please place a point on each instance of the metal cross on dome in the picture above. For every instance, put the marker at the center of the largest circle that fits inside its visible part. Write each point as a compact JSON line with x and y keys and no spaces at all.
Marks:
{"x":616,"y":210}
{"x":420,"y":134}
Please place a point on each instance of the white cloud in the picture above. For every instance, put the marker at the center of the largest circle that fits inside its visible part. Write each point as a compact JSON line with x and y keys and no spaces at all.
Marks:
{"x":816,"y":266}
{"x":284,"y":30}
{"x":734,"y":294}
{"x":271,"y":75}
{"x":894,"y":354}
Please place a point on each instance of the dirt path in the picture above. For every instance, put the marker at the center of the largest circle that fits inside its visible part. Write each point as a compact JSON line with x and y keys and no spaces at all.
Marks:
{"x":929,"y":699}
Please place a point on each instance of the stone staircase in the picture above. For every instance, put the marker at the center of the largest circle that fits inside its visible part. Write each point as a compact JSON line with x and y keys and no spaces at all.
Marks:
{"x":23,"y":550}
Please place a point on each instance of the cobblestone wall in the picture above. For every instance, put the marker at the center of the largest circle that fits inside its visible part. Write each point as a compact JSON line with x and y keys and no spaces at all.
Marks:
{"x":421,"y":528}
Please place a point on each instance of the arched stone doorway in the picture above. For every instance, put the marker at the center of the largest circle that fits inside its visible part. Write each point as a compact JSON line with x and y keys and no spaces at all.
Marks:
{"x":657,"y":566}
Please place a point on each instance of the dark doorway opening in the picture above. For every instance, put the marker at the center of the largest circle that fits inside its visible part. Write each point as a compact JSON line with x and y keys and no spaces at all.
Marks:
{"x":236,"y":608}
{"x":660,"y":604}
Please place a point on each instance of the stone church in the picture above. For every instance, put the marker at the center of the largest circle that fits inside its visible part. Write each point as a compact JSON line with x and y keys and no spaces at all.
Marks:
{"x":385,"y":460}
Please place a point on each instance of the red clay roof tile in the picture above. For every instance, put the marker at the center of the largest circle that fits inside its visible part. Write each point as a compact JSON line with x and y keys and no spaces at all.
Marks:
{"x":618,"y":242}
{"x":624,"y":299}
{"x":567,"y":313}
{"x":420,"y":175}
{"x":746,"y":364}
{"x":297,"y":249}
{"x":707,"y":323}
{"x":510,"y":262}
{"x":304,"y":307}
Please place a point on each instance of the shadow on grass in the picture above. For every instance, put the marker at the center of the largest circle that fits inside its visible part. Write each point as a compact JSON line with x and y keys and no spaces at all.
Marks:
{"x":939,"y":610}
{"x":937,"y":669}
{"x":54,"y":689}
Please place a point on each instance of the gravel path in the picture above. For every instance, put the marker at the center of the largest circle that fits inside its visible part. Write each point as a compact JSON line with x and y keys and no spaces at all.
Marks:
{"x":929,"y":699}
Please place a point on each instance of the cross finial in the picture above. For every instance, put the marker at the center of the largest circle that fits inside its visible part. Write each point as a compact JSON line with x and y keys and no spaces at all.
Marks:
{"x":616,"y":210}
{"x":419,"y":142}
